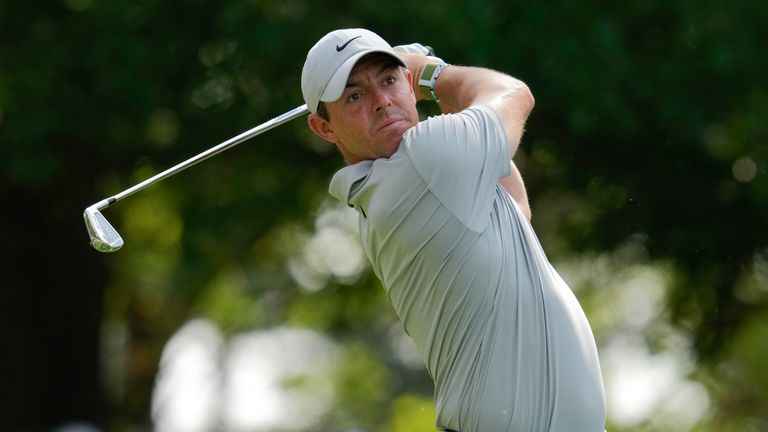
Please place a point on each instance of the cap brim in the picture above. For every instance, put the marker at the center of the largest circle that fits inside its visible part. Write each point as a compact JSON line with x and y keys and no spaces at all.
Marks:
{"x":338,"y":82}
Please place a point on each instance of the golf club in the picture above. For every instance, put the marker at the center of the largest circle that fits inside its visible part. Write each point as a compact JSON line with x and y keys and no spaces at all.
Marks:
{"x":104,"y":237}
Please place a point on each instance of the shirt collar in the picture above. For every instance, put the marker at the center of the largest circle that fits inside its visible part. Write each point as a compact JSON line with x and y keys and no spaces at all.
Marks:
{"x":345,"y":178}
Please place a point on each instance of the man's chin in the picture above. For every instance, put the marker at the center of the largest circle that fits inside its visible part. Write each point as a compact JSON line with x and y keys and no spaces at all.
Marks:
{"x":392,"y":148}
{"x":395,"y":132}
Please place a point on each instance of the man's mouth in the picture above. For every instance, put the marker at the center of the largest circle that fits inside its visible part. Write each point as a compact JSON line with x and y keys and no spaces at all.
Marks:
{"x":388,"y":123}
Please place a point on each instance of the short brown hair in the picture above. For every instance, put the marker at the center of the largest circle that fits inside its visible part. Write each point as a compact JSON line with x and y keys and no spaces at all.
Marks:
{"x":322,"y":112}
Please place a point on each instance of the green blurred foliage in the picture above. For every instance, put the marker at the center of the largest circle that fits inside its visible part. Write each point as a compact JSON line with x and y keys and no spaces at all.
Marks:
{"x":412,"y":413}
{"x":647,"y":146}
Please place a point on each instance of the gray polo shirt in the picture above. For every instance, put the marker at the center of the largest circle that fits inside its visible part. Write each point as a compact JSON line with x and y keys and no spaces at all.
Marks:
{"x":500,"y":332}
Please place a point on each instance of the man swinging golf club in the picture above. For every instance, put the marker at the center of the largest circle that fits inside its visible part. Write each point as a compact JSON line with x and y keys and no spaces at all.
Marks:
{"x":444,"y":221}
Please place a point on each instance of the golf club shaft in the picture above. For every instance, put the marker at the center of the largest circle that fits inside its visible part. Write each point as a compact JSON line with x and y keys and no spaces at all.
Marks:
{"x":277,"y":121}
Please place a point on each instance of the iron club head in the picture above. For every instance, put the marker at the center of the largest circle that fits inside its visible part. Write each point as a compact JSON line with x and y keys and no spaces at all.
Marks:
{"x":104,"y":237}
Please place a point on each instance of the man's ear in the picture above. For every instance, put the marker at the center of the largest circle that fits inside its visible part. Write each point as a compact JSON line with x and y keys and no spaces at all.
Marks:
{"x":322,"y":128}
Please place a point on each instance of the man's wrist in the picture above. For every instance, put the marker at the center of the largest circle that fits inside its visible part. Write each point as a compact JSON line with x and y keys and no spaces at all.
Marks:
{"x":427,"y":80}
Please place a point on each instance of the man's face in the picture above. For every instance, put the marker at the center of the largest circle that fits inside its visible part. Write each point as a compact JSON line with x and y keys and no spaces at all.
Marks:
{"x":378,"y":105}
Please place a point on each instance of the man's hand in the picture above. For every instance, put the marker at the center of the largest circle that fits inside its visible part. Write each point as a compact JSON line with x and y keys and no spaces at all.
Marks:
{"x":417,"y":48}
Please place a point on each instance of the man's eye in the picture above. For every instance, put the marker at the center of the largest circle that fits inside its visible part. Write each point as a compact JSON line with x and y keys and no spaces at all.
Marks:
{"x":353,"y":97}
{"x":390,"y":80}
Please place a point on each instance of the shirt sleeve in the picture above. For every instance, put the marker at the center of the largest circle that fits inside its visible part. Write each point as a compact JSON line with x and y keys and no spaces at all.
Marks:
{"x":461,"y":157}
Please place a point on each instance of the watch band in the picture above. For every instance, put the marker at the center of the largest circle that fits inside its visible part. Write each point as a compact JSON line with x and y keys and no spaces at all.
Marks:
{"x":428,"y":79}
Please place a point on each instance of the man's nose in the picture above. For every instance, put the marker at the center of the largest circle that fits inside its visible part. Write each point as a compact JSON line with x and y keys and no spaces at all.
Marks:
{"x":381,"y":100}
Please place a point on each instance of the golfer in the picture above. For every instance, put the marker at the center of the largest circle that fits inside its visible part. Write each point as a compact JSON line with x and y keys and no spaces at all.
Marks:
{"x":444,"y":221}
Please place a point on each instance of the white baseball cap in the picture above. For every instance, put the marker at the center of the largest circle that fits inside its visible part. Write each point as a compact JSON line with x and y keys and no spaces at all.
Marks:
{"x":330,"y":61}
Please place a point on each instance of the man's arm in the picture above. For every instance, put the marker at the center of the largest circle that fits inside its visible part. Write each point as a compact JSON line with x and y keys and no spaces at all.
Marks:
{"x":515,"y":187}
{"x":460,"y":87}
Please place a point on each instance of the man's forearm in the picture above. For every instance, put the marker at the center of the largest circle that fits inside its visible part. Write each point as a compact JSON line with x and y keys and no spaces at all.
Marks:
{"x":460,"y":87}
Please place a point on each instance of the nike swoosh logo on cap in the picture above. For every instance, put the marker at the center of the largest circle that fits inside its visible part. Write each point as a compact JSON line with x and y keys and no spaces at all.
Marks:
{"x":341,"y":47}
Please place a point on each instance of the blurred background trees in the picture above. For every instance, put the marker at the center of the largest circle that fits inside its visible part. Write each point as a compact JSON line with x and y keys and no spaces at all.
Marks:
{"x":242,"y":301}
